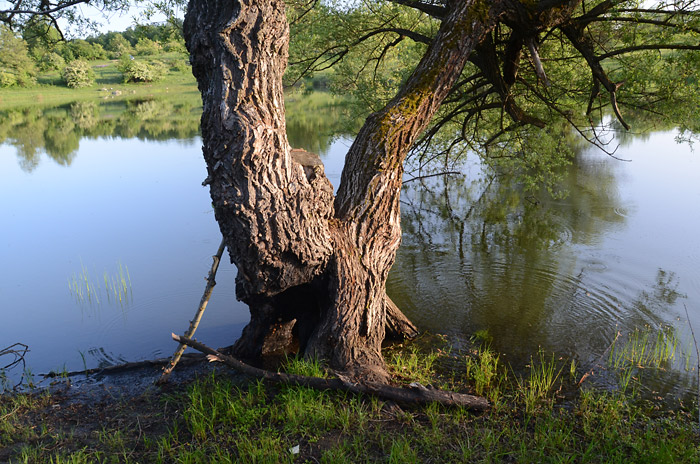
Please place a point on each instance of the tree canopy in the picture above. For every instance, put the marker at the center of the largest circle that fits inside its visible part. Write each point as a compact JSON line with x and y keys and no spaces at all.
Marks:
{"x":546,"y":68}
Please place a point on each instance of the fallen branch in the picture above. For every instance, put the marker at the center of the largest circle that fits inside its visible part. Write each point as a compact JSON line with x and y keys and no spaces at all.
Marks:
{"x":188,"y":359}
{"x":194,"y":323}
{"x":415,"y":394}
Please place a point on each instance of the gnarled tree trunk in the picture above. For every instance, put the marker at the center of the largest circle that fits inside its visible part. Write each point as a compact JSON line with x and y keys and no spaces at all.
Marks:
{"x":312,"y":268}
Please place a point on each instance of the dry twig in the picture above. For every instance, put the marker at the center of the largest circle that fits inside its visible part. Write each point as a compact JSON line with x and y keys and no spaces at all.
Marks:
{"x":697,"y":352}
{"x":18,"y":351}
{"x":194,"y":323}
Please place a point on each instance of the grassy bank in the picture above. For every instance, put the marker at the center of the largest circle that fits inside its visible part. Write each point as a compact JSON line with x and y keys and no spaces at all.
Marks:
{"x":538,"y":417}
{"x":51,"y":91}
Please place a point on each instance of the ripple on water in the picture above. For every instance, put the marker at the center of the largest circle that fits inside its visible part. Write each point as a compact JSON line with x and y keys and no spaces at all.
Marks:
{"x":103,"y":358}
{"x":621,"y":211}
{"x":564,"y":235}
{"x":563,"y":305}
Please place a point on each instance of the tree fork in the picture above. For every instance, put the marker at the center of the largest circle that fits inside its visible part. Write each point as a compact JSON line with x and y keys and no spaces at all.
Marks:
{"x":285,"y":234}
{"x":367,"y":232}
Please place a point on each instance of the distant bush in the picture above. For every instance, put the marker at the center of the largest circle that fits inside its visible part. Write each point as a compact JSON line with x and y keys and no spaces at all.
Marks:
{"x":118,"y":46}
{"x":51,"y":60}
{"x":177,"y":46}
{"x":7,"y":79}
{"x":78,"y":73}
{"x":84,"y":50}
{"x":140,"y":71}
{"x":147,"y":47}
{"x":180,"y":65}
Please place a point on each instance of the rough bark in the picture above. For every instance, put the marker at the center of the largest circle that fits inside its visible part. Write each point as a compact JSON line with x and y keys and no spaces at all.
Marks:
{"x":274,"y":218}
{"x":310,"y":269}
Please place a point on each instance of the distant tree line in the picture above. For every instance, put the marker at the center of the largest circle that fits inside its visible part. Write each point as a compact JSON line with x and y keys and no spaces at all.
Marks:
{"x":40,"y":46}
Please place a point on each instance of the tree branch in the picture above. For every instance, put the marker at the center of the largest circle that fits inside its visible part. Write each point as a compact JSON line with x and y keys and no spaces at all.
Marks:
{"x":575,"y":36}
{"x":653,"y":11}
{"x":57,"y":8}
{"x":194,"y":323}
{"x":435,"y":11}
{"x":637,"y":48}
{"x":623,"y":19}
{"x":539,"y":69}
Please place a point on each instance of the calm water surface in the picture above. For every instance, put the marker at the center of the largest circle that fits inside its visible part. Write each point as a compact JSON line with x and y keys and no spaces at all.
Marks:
{"x":619,"y":253}
{"x":110,"y":198}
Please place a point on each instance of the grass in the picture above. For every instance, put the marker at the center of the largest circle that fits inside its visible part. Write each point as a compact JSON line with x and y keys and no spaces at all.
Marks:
{"x":224,"y":418}
{"x":643,"y":351}
{"x":483,"y":370}
{"x":537,"y":388}
{"x":50,"y":90}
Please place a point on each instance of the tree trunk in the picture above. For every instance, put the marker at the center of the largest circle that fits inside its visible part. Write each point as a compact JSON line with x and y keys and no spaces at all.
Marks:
{"x":312,"y":270}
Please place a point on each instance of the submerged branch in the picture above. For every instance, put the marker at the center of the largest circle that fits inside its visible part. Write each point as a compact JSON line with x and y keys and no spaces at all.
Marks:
{"x":602,"y":356}
{"x":186,"y":359}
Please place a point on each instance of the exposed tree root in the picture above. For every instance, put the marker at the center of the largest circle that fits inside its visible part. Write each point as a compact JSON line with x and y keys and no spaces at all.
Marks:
{"x":398,"y":326}
{"x":413,"y":395}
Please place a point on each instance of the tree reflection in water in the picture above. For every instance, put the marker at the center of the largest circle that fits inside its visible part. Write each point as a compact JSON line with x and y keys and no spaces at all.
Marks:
{"x":313,"y":123}
{"x":57,"y":131}
{"x":479,"y":252}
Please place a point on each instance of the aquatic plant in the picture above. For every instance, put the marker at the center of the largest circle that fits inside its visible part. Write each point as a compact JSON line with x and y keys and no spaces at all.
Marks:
{"x":82,"y":287}
{"x":117,"y":286}
{"x":645,"y":348}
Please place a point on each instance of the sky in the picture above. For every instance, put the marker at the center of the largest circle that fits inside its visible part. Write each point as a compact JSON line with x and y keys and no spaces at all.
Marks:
{"x":111,"y":21}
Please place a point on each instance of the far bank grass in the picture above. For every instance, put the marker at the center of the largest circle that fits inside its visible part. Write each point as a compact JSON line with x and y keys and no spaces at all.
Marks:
{"x":51,"y":91}
{"x":225,"y":419}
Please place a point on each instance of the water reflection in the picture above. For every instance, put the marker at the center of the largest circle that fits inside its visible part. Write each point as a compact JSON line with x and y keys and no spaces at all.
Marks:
{"x":478,"y":253}
{"x":661,"y":297}
{"x":313,"y":123}
{"x":315,"y":120}
{"x":58,"y":131}
{"x":89,"y":184}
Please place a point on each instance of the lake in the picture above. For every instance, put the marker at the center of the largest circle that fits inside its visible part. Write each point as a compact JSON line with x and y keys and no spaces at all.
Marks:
{"x":107,"y":236}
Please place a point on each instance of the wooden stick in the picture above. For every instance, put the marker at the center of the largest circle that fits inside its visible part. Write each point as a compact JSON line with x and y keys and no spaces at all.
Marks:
{"x":605,"y":353}
{"x":697,"y":352}
{"x":413,"y":395}
{"x":194,"y":323}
